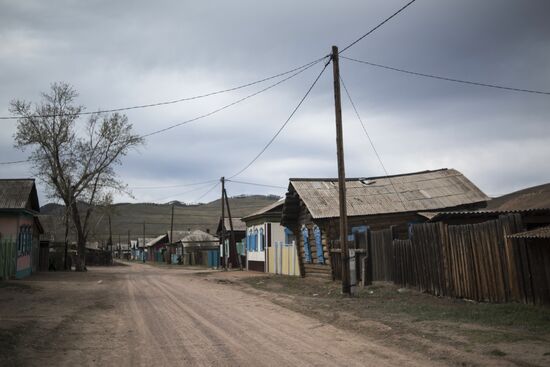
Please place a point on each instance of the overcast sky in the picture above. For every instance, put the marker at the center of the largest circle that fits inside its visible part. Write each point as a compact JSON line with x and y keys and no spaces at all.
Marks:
{"x":126,"y":53}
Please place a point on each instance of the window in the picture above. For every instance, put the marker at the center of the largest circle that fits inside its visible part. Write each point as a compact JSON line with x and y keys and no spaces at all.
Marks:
{"x":307,"y":251}
{"x":289,"y":236}
{"x":24,"y":240}
{"x":262,"y":240}
{"x":255,"y":241}
{"x":319,"y":245}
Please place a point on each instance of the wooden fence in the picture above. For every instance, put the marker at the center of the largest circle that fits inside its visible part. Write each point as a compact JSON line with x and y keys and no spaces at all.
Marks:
{"x":8,"y":250}
{"x":472,"y":261}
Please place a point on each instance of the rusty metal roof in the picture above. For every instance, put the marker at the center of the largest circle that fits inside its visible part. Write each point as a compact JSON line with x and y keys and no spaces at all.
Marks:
{"x":18,"y":194}
{"x":542,"y":232}
{"x":420,"y":191}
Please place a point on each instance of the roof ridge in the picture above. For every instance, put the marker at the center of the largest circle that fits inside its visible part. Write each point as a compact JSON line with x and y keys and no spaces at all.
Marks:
{"x":372,"y":177}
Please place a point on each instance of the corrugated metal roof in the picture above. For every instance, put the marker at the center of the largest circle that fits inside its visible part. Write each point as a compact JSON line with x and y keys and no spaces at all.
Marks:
{"x":421,"y":191}
{"x":266,"y":209}
{"x":480,"y":212}
{"x":156,"y":240}
{"x":543,"y":232}
{"x":199,"y":236}
{"x":18,"y":194}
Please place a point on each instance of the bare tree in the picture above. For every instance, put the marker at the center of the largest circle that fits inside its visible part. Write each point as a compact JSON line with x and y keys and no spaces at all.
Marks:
{"x":76,"y":163}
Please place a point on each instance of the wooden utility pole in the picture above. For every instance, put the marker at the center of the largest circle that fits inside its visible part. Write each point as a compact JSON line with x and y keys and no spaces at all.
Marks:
{"x":110,"y":236}
{"x":143,"y":252}
{"x":129,"y":245}
{"x":223,"y":225}
{"x":171,"y":240}
{"x":346,"y":289}
{"x":232,"y":242}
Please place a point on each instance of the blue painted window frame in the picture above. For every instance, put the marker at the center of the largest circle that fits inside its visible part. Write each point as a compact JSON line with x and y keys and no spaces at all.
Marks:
{"x":307,"y":250}
{"x":319,"y":244}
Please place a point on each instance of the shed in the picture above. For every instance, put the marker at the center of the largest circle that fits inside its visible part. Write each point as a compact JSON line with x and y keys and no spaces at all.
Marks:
{"x":196,"y":248}
{"x":311,"y":208}
{"x":20,"y":228}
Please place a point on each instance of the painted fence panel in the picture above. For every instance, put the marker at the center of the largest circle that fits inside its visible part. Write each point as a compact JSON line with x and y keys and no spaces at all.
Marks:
{"x":283,"y":259}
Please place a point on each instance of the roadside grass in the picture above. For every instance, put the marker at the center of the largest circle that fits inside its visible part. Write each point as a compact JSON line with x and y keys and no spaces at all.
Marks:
{"x":478,"y":322}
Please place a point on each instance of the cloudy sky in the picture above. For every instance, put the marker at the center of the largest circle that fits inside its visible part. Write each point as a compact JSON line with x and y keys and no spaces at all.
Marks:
{"x":127,"y":53}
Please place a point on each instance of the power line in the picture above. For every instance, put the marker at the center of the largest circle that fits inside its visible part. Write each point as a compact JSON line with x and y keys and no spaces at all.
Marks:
{"x":211,"y":112}
{"x":207,"y":192}
{"x":371,"y":142}
{"x":378,"y":26}
{"x":185,"y":192}
{"x":256,"y":184}
{"x":480,"y":84}
{"x":15,"y":162}
{"x":171,"y":186}
{"x":230,"y":104}
{"x":172,"y":101}
{"x":284,"y":125}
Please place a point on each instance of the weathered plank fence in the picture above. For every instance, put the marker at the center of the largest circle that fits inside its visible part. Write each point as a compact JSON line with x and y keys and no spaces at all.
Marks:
{"x":472,"y":261}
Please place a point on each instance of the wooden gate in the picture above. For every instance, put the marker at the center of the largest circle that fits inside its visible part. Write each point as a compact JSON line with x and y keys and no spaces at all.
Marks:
{"x":7,"y":258}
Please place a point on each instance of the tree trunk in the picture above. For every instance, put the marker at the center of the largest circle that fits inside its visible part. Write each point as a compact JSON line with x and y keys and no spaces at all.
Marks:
{"x":80,"y":263}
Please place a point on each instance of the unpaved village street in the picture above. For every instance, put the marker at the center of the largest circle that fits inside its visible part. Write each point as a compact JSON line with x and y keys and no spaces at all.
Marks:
{"x":142,"y":315}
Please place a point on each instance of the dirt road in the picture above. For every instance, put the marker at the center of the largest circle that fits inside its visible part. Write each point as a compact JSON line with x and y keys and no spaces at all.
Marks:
{"x":146,"y":315}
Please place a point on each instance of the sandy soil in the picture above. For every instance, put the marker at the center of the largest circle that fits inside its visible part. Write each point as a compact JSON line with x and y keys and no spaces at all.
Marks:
{"x":147,"y":315}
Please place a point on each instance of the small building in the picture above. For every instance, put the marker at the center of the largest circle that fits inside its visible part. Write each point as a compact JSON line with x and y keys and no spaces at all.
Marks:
{"x":20,"y":228}
{"x":311,"y":209}
{"x":196,"y":248}
{"x":239,"y":232}
{"x":270,"y":247}
{"x":156,"y":248}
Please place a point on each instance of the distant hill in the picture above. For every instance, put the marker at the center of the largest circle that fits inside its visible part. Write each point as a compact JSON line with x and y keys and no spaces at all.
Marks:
{"x":530,"y":198}
{"x":126,"y":217}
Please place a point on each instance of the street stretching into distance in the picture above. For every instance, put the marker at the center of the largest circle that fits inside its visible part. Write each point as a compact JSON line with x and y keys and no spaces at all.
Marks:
{"x":143,"y":315}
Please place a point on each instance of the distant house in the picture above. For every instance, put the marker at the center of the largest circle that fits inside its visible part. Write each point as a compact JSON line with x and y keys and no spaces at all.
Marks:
{"x":139,"y":249}
{"x":239,"y":231}
{"x":20,"y":228}
{"x":311,"y":208}
{"x":196,"y":248}
{"x":156,"y":248}
{"x":270,"y":246}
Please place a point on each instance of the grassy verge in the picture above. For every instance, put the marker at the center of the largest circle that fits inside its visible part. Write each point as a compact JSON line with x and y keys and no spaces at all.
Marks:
{"x":420,"y":321}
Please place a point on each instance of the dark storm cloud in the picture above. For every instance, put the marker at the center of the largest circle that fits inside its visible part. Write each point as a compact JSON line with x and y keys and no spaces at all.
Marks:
{"x":127,"y":53}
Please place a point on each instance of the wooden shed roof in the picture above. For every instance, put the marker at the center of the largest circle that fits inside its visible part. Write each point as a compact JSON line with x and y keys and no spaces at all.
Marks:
{"x":420,"y":191}
{"x":156,"y":240}
{"x":273,"y":207}
{"x":18,"y":194}
{"x":238,"y":224}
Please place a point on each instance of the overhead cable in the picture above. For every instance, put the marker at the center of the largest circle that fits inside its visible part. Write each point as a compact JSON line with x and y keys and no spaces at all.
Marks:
{"x":378,"y":26}
{"x":232,"y":103}
{"x":172,"y":101}
{"x":283,"y":125}
{"x":372,"y":143}
{"x":480,"y":84}
{"x":207,"y":192}
{"x":211,"y":112}
{"x":256,"y":184}
{"x":171,"y":186}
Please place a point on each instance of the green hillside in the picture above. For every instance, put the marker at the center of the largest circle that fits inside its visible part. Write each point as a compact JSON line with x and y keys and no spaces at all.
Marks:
{"x":131,"y":217}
